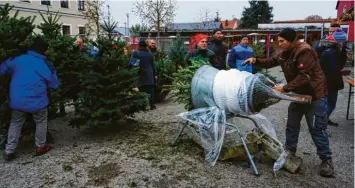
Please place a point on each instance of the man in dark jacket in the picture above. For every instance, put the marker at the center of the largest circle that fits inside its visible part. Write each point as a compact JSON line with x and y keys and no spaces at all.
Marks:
{"x":216,"y":45}
{"x":332,"y":56}
{"x":147,"y":72}
{"x":304,"y":76}
{"x":201,"y":52}
{"x":31,"y":77}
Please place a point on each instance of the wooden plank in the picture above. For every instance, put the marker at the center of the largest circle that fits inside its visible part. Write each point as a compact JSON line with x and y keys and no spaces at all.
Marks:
{"x":351,"y":82}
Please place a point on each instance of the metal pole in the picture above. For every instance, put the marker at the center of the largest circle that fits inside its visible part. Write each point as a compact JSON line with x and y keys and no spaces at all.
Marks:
{"x":127,"y":14}
{"x":305,"y":34}
{"x":256,"y":172}
{"x":322,"y":32}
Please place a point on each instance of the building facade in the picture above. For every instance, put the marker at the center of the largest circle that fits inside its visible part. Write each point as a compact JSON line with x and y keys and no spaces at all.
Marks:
{"x":72,"y":13}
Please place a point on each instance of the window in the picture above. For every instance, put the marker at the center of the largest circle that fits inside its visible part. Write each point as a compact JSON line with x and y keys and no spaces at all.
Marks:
{"x":344,"y":8}
{"x":66,"y":29}
{"x":81,"y":30}
{"x":45,"y":2}
{"x":81,"y":5}
{"x":64,"y":4}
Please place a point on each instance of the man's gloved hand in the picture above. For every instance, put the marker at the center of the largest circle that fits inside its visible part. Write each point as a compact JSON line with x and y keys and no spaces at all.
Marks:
{"x":279,"y":89}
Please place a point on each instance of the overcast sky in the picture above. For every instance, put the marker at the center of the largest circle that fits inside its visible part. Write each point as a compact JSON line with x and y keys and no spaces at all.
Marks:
{"x":189,"y":11}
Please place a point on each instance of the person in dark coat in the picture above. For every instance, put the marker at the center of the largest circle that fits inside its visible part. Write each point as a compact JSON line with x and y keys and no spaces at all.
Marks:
{"x":304,"y":75}
{"x":332,"y":58}
{"x":216,"y":45}
{"x":147,"y":71}
{"x":201,"y":52}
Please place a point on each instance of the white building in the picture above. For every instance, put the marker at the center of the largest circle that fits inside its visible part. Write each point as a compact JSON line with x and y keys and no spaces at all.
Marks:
{"x":72,"y":18}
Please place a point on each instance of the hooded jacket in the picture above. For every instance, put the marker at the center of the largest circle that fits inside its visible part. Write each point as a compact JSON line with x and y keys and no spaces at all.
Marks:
{"x":301,"y":68}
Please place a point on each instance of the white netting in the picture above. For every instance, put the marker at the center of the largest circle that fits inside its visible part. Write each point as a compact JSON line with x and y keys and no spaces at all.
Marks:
{"x":243,"y":93}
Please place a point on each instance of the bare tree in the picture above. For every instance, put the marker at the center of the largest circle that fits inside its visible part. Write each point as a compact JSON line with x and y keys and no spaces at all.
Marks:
{"x":313,"y":17}
{"x":94,"y":14}
{"x":204,"y":19}
{"x":155,"y":12}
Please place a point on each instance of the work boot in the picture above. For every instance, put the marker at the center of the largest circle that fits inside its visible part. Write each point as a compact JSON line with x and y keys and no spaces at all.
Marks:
{"x":332,"y":123}
{"x":326,"y":168}
{"x":9,"y":156}
{"x":43,"y":150}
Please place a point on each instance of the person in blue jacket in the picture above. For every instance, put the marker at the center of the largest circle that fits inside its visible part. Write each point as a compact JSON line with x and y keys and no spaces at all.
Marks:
{"x":31,"y":76}
{"x":239,"y":54}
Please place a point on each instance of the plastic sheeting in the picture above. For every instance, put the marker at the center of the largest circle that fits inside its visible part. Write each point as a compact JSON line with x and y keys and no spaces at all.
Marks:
{"x":211,"y":122}
{"x":212,"y":129}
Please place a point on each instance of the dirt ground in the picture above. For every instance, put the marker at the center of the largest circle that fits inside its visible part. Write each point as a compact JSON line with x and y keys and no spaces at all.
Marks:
{"x":137,"y":153}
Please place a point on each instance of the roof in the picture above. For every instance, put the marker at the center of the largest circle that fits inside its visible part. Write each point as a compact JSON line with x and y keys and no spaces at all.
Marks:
{"x":123,"y":31}
{"x":208,"y":25}
{"x":229,"y":24}
{"x":292,"y":25}
{"x":306,"y":21}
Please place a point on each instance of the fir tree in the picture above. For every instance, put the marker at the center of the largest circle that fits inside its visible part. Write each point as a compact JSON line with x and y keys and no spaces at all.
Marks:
{"x":108,"y":93}
{"x":67,"y":60}
{"x":258,"y":12}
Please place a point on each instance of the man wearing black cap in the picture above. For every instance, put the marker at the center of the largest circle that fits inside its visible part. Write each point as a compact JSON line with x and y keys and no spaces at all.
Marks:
{"x":304,"y":76}
{"x":216,"y":45}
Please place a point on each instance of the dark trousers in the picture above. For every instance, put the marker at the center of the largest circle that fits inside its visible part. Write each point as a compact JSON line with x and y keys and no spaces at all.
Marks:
{"x":332,"y":101}
{"x":149,"y":89}
{"x":317,"y":121}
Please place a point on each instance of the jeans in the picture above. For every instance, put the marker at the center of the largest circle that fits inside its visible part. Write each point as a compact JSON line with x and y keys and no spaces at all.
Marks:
{"x":18,"y":118}
{"x":149,"y":89}
{"x":317,"y":121}
{"x":332,"y":101}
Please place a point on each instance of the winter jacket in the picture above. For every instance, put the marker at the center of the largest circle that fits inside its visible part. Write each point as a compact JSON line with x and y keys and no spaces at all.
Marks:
{"x":205,"y":55}
{"x":220,"y":51}
{"x":238,"y":55}
{"x":147,"y":70}
{"x":302,"y":71}
{"x":31,"y":76}
{"x":332,"y":61}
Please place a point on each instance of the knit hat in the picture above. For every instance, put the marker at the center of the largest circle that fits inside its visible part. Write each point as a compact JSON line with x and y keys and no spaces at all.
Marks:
{"x":142,"y":43}
{"x":245,"y":36}
{"x":339,"y":35}
{"x":199,"y":37}
{"x":288,"y":34}
{"x":215,"y":30}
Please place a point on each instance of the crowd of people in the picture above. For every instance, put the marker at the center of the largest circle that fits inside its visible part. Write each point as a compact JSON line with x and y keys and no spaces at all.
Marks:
{"x":309,"y":71}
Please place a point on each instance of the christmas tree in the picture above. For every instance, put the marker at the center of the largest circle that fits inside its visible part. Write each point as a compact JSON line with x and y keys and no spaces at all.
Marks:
{"x":108,"y":93}
{"x":69,"y":63}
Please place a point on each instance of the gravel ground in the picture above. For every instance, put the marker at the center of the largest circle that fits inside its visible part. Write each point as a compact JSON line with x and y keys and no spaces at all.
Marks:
{"x":137,"y":153}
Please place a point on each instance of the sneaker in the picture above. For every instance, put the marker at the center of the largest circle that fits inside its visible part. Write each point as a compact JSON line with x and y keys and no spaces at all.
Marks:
{"x":43,"y":150}
{"x":326,"y":168}
{"x":333,"y":123}
{"x":9,"y":156}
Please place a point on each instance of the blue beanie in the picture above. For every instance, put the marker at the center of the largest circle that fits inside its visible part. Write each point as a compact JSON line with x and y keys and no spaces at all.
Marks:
{"x":340,"y":35}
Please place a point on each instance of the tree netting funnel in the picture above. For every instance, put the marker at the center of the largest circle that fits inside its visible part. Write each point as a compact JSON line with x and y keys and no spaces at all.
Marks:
{"x":235,"y":91}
